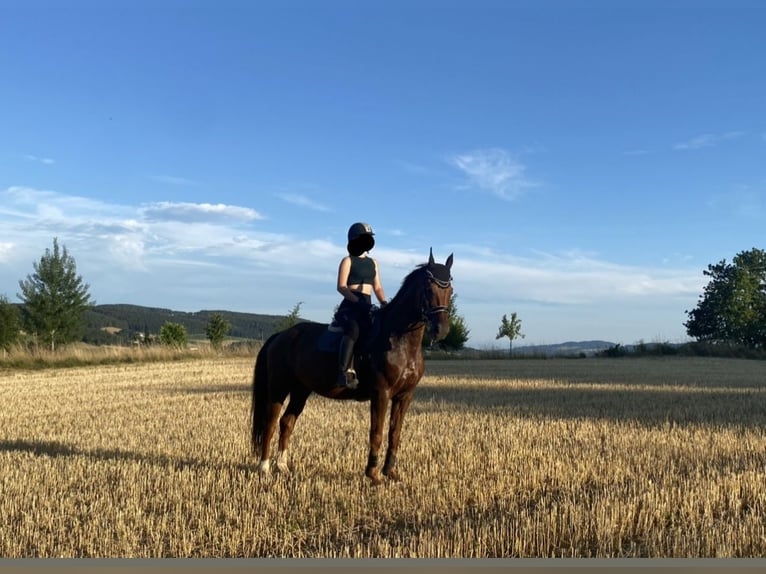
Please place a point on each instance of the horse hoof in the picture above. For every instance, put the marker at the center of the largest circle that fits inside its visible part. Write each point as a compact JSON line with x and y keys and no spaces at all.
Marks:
{"x":374,"y":476}
{"x":264,"y":467}
{"x":392,"y":475}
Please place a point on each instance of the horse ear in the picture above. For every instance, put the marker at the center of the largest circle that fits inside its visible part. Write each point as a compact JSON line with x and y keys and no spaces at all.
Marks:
{"x":431,"y":256}
{"x":448,"y":264}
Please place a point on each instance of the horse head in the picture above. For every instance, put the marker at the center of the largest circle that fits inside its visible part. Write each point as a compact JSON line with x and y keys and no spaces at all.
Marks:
{"x":436,"y":297}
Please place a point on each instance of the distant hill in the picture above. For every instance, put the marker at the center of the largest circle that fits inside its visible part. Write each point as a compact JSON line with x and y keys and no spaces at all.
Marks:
{"x":568,"y":348}
{"x":118,"y":324}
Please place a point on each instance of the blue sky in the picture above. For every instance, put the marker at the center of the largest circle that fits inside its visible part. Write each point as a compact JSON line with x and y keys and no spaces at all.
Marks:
{"x":583,"y":160}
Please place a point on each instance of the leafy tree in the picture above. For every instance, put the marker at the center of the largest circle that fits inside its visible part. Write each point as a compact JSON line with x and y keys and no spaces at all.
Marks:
{"x":216,"y":329}
{"x":173,"y":334}
{"x":291,"y":319}
{"x":510,"y":329}
{"x":732,"y":308}
{"x":458,"y":332}
{"x":10,"y":324}
{"x":54,"y":298}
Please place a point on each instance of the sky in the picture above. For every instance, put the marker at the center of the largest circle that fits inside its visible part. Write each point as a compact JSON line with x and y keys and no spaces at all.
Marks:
{"x":584,"y":160}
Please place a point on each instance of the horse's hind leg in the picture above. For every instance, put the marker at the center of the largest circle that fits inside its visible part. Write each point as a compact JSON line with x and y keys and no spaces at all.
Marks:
{"x":274,"y":409}
{"x":298,"y":397}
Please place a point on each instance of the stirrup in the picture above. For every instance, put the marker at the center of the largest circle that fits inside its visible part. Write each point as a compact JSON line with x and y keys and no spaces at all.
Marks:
{"x":347,"y":379}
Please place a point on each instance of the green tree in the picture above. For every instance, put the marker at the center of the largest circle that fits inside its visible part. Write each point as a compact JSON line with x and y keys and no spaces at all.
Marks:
{"x":510,"y":329}
{"x":54,"y":298}
{"x":732,"y":308}
{"x":291,"y":319}
{"x":216,"y":329}
{"x":458,"y":331}
{"x":10,"y":324}
{"x":173,"y":334}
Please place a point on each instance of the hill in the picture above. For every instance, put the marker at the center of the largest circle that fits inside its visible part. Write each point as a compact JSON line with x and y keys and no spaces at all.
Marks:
{"x":569,"y":348}
{"x":118,"y":324}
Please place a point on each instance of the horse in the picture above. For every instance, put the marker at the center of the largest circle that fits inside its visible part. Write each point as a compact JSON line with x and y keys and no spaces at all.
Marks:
{"x":389,"y":365}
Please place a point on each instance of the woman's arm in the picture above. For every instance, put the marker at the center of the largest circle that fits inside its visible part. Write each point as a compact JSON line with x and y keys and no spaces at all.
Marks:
{"x":377,"y":286}
{"x":343,"y":270}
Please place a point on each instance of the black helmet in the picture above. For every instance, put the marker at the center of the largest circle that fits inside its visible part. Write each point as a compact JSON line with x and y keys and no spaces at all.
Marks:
{"x":360,"y":238}
{"x":359,"y":229}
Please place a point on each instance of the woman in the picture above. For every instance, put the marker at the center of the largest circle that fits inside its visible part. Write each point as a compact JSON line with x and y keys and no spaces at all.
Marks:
{"x":358,"y":278}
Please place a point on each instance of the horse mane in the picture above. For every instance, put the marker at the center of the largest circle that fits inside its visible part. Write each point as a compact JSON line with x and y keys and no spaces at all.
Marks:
{"x":407,"y":282}
{"x":396,"y":314}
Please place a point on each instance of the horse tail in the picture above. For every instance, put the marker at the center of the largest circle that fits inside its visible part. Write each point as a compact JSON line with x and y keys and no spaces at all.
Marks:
{"x":260,"y":404}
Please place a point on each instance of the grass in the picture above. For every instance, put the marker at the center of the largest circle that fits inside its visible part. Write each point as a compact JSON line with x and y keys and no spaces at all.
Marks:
{"x":81,"y":354}
{"x":558,"y":458}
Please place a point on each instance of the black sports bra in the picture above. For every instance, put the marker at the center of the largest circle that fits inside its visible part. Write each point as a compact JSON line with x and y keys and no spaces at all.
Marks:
{"x":362,"y":271}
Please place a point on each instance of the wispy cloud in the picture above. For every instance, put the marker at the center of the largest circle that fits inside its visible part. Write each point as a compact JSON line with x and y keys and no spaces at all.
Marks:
{"x":5,"y":250}
{"x":43,"y":160}
{"x":198,"y":212}
{"x":303,"y":201}
{"x":493,"y":170}
{"x":173,"y":180}
{"x":707,"y":140}
{"x":188,"y":256}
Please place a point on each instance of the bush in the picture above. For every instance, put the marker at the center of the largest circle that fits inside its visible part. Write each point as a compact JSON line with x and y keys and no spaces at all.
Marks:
{"x":173,"y":335}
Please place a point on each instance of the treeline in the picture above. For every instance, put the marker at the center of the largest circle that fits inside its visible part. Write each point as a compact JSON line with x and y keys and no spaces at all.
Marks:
{"x":123,"y":324}
{"x":690,"y":349}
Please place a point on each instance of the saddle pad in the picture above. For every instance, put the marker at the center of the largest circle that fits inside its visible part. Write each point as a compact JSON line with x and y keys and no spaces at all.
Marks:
{"x":329,"y":340}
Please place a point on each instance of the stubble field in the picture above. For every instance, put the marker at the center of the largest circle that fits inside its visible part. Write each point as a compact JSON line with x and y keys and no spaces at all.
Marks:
{"x":523,"y":458}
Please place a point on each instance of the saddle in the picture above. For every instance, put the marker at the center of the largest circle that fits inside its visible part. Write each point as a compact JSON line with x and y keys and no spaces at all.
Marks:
{"x":329,"y":340}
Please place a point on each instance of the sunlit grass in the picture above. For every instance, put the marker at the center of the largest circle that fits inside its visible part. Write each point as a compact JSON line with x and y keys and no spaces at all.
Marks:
{"x":80,"y":354}
{"x":599,"y":458}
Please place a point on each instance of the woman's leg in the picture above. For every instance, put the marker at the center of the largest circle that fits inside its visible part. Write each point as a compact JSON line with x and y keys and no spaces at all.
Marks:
{"x":346,"y":376}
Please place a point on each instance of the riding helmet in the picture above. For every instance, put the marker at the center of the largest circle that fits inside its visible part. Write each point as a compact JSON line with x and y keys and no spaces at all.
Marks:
{"x":358,"y":229}
{"x":360,"y":238}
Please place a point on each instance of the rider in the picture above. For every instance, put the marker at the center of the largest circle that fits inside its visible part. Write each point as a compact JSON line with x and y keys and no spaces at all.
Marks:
{"x":358,"y":278}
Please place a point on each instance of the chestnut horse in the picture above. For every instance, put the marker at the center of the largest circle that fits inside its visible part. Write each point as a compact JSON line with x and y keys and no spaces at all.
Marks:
{"x":389,"y":366}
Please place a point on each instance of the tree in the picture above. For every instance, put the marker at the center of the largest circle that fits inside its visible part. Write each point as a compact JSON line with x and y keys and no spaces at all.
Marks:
{"x":292,"y":318}
{"x":173,"y":334}
{"x":54,"y":298}
{"x":10,"y":324}
{"x":732,"y":308}
{"x":510,"y":329}
{"x":216,"y":329}
{"x":458,"y":332}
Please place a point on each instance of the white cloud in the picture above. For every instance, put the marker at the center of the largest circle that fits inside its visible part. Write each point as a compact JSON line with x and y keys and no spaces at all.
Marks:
{"x":188,"y":212}
{"x":43,"y":160}
{"x":707,"y":140}
{"x":570,"y":279}
{"x":303,"y":201}
{"x":5,"y":250}
{"x":493,"y":170}
{"x":195,"y":256}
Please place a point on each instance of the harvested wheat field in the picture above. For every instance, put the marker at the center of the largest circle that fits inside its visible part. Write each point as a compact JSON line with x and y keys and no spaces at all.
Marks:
{"x":523,"y":458}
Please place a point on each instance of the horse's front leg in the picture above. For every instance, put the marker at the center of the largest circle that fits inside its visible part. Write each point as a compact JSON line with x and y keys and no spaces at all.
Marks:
{"x":399,"y":406}
{"x":378,"y":405}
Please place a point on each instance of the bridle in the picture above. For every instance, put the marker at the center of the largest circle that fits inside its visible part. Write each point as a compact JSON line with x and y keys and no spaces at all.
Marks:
{"x":426,"y":309}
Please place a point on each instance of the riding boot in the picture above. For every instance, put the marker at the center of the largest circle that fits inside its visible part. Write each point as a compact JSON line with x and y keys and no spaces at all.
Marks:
{"x":346,"y":376}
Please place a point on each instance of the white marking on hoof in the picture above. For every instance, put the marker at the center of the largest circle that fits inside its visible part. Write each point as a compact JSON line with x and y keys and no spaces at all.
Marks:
{"x":282,"y":462}
{"x":264,"y":467}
